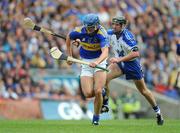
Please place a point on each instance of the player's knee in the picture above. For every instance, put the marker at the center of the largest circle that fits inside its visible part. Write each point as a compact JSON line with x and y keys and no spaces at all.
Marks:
{"x":88,"y":94}
{"x":98,"y":92}
{"x":107,"y":81}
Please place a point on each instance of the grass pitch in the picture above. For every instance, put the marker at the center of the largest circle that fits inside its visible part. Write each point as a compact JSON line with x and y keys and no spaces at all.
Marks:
{"x":84,"y":126}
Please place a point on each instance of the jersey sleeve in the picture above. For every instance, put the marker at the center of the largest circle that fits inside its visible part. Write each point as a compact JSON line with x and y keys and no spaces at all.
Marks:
{"x":104,"y":42}
{"x":103,"y":38}
{"x":75,"y":34}
{"x":110,"y":32}
{"x":130,"y":40}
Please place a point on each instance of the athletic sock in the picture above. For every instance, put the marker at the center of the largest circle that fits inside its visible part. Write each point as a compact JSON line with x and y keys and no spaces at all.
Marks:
{"x":157,"y":109}
{"x":96,"y":118}
{"x":105,"y":97}
{"x":103,"y":92}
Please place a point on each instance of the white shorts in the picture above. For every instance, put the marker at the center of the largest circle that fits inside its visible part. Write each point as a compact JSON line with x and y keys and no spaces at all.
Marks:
{"x":89,"y":71}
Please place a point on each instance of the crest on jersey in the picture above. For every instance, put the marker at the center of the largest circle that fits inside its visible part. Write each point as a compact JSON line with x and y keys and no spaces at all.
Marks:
{"x":83,"y":39}
{"x":112,"y":43}
{"x":89,"y":40}
{"x":95,"y":40}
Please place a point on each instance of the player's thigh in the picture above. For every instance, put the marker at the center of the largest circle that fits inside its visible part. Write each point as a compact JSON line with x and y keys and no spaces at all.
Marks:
{"x":87,"y":85}
{"x":114,"y":72}
{"x":99,"y":80}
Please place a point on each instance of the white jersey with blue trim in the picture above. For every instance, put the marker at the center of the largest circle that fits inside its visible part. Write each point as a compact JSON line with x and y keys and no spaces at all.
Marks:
{"x":124,"y":44}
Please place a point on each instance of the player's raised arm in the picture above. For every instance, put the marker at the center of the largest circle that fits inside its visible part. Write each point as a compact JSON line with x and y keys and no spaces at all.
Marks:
{"x":69,"y":49}
{"x":72,"y":36}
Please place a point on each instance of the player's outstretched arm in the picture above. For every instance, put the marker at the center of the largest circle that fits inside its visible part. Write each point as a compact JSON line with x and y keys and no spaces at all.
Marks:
{"x":128,"y":57}
{"x":68,"y":45}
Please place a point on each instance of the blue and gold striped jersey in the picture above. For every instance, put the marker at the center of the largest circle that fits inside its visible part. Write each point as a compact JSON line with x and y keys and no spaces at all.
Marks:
{"x":90,"y":44}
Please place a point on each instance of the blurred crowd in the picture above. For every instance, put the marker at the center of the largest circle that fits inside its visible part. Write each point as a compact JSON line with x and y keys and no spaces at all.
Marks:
{"x":155,"y":24}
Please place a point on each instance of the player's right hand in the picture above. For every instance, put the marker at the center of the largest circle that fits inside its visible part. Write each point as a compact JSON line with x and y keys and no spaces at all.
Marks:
{"x":93,"y":64}
{"x":76,"y":42}
{"x":69,"y":62}
{"x":114,"y":60}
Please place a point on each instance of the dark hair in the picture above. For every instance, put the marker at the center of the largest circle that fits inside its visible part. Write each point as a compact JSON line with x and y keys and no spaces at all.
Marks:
{"x":119,"y":20}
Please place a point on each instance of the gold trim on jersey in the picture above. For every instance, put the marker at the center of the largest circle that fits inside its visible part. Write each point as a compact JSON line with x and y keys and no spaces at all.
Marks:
{"x":91,"y":47}
{"x":78,"y":29}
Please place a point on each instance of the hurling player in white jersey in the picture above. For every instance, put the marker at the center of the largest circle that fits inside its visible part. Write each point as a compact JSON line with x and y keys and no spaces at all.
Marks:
{"x":126,"y":61}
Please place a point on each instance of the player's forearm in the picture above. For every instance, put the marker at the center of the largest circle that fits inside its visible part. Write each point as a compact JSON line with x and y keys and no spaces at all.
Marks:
{"x":68,"y":45}
{"x":103,"y":55}
{"x":129,"y":57}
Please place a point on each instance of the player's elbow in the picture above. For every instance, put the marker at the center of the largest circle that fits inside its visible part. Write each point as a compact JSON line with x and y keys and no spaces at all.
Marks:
{"x":68,"y":40}
{"x":135,"y":54}
{"x":106,"y":52}
{"x":106,"y":55}
{"x":67,"y":36}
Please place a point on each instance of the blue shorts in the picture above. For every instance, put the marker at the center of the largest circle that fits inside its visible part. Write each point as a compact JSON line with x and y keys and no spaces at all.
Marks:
{"x":131,"y":69}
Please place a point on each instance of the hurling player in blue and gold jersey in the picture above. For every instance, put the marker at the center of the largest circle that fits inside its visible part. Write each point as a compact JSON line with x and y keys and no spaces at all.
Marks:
{"x":94,"y":48}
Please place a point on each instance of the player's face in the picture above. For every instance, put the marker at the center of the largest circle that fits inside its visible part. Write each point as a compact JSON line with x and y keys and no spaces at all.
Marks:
{"x":117,"y":27}
{"x":91,"y":29}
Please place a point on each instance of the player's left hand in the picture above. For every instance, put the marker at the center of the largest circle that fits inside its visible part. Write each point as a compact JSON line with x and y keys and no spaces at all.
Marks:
{"x":114,"y":60}
{"x":93,"y":64}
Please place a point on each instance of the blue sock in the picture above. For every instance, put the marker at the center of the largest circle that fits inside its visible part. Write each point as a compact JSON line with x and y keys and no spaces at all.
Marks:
{"x":96,"y":118}
{"x":105,"y":98}
{"x":103,"y":92}
{"x":156,"y":109}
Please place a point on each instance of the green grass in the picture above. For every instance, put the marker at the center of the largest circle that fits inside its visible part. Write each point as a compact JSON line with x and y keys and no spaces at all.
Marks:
{"x":110,"y":126}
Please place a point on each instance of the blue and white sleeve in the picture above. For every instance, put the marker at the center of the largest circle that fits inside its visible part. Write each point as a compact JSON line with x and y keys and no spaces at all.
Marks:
{"x":129,"y":39}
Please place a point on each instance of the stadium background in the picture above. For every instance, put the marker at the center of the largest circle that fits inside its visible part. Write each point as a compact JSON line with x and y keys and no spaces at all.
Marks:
{"x":33,"y":85}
